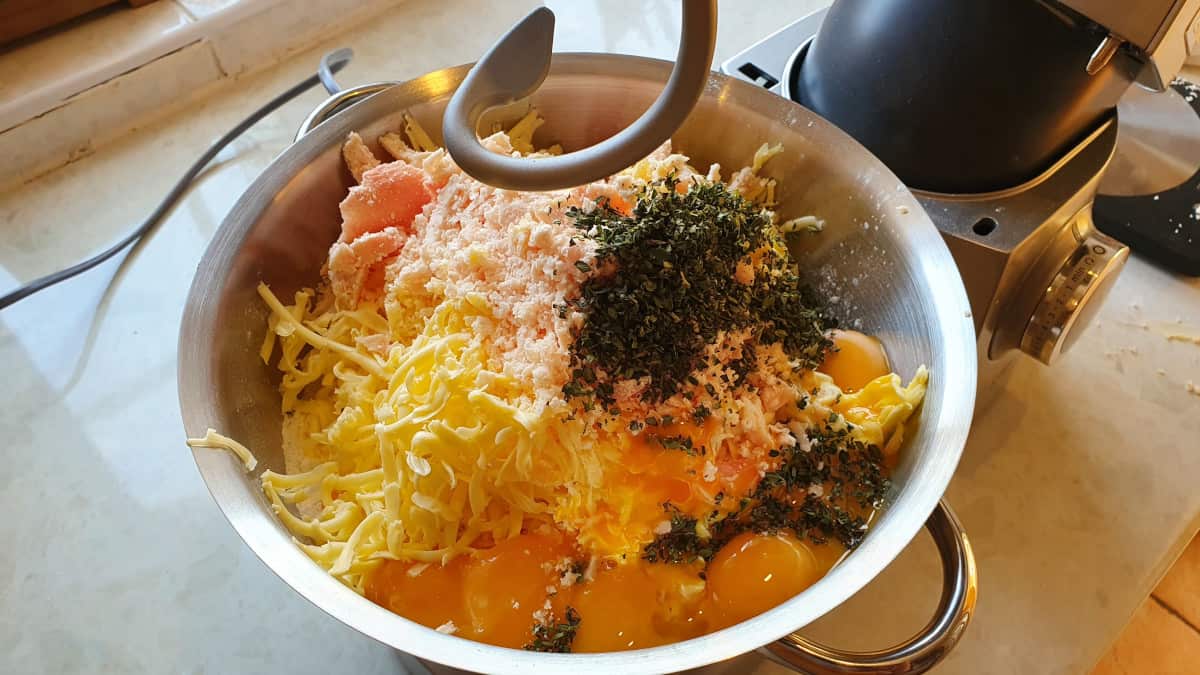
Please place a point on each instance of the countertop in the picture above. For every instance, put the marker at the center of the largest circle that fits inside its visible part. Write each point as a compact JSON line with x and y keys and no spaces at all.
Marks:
{"x":1078,"y":486}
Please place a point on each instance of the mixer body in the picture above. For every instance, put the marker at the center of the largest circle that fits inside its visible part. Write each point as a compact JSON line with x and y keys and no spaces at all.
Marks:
{"x":1001,"y":116}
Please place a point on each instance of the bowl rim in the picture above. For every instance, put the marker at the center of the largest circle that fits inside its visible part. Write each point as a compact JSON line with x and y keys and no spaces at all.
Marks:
{"x":233,"y":491}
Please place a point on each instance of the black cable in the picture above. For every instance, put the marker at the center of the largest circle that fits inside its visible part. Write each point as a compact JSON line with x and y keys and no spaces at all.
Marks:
{"x":176,"y":192}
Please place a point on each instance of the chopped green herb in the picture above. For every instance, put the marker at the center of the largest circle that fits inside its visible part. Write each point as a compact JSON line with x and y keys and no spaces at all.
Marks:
{"x":788,"y":499}
{"x":682,"y":544}
{"x":578,"y":567}
{"x":679,"y":442}
{"x":673,"y":289}
{"x":555,"y":637}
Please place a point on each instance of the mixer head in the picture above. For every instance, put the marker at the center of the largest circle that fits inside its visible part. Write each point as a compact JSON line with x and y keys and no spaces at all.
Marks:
{"x":1160,"y":34}
{"x":972,"y":97}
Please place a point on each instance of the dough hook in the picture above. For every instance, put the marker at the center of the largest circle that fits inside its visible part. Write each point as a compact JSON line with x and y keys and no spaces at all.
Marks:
{"x":518,"y":64}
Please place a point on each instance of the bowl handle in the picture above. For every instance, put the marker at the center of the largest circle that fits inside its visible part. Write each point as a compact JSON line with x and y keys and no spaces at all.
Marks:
{"x":518,"y":64}
{"x":922,"y":651}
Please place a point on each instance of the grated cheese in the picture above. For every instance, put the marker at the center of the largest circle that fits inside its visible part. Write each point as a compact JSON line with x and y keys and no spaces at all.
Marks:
{"x":216,"y":441}
{"x":448,"y":457}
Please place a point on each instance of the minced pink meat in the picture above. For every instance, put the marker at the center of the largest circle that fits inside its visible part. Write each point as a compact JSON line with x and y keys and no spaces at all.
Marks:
{"x":518,"y":250}
{"x":376,"y":219}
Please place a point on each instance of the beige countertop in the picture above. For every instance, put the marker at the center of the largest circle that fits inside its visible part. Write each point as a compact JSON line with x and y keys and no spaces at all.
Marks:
{"x":1078,"y":485}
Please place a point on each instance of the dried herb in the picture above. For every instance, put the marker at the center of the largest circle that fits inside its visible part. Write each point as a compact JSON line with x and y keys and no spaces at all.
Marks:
{"x":682,"y":544}
{"x":786,"y":500}
{"x":669,"y":286}
{"x":679,"y":442}
{"x":578,"y":567}
{"x":555,"y":637}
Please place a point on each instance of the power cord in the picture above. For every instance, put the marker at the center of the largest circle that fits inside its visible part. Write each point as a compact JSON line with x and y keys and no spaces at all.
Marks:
{"x":330,"y":63}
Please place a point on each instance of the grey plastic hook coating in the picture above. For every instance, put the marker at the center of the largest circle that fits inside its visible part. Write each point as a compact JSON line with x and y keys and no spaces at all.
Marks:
{"x":516,"y":66}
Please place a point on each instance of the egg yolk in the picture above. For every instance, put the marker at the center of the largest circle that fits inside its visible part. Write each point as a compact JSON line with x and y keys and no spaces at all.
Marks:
{"x":497,"y":596}
{"x":504,"y":586}
{"x":681,"y":609}
{"x":855,"y":360}
{"x":619,"y":605}
{"x":490,"y":598}
{"x":753,"y":573}
{"x":430,"y":594}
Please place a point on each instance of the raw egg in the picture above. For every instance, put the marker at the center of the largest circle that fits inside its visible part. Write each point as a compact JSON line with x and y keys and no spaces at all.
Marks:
{"x":430,"y":594}
{"x":618,"y":608}
{"x":754,"y":572}
{"x":507,"y":584}
{"x":680,"y":612}
{"x":855,"y":360}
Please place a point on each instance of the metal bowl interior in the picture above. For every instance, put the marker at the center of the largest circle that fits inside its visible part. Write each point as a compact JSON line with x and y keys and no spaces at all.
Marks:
{"x":879,"y":255}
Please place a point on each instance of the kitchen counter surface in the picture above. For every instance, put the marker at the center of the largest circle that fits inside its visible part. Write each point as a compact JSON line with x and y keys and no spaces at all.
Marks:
{"x":1078,"y":485}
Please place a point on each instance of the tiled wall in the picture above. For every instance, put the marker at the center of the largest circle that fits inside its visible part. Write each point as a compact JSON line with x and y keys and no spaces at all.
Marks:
{"x":66,"y":93}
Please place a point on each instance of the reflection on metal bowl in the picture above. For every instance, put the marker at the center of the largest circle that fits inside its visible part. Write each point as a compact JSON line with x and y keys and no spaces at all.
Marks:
{"x":887,"y":262}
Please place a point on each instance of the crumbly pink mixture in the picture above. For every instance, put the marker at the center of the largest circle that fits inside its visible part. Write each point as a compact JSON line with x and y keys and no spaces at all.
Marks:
{"x":376,"y":221}
{"x":517,"y":250}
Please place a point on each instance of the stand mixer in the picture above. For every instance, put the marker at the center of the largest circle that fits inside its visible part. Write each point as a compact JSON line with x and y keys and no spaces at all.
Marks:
{"x":1001,"y":117}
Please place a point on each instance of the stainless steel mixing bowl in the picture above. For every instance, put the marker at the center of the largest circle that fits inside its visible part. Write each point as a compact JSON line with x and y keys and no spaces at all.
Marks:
{"x":880,"y":257}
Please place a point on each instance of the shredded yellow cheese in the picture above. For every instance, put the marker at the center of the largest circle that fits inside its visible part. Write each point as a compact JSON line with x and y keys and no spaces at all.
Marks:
{"x":521,"y":135}
{"x":880,"y":409}
{"x":417,"y":136}
{"x":431,"y":454}
{"x":216,"y":441}
{"x":764,"y":153}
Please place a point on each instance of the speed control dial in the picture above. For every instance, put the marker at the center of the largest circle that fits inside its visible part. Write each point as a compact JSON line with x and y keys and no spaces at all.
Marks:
{"x":1075,"y":292}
